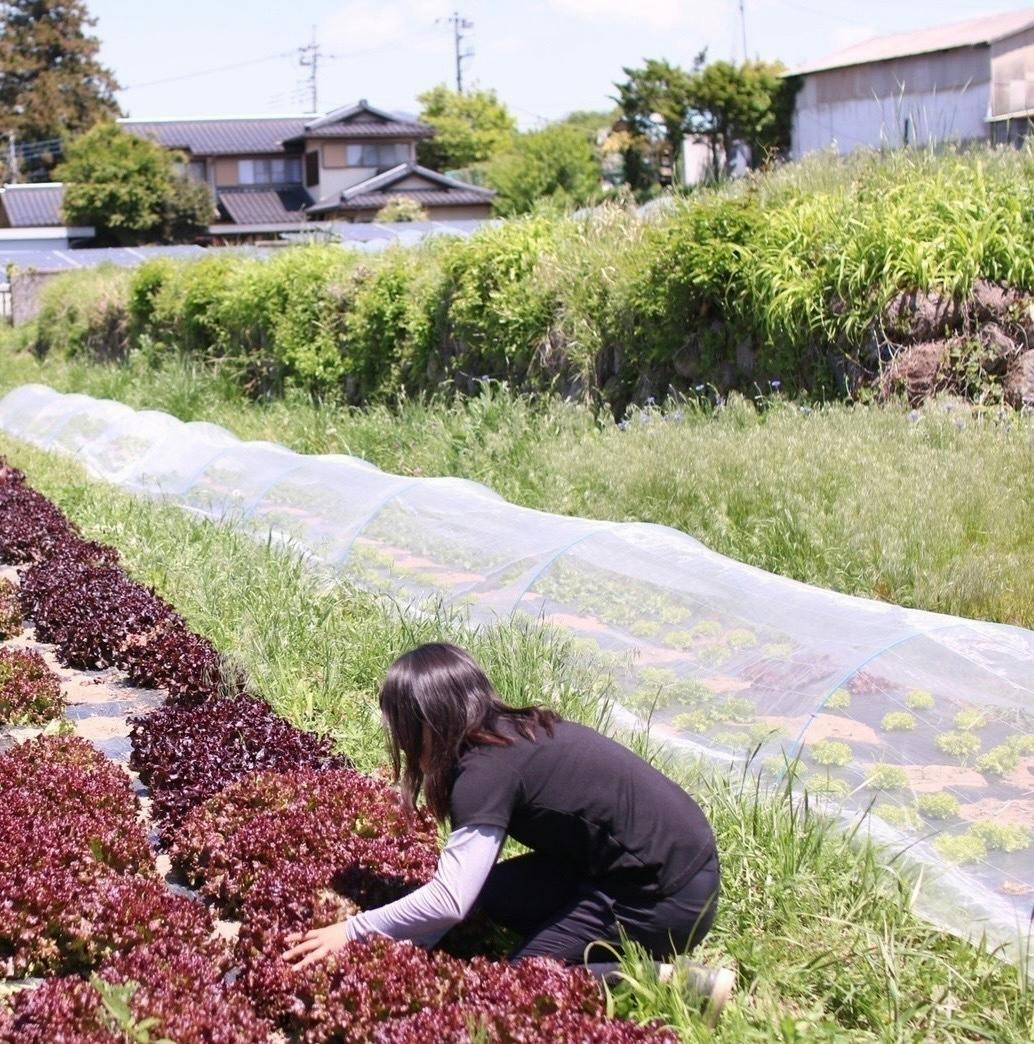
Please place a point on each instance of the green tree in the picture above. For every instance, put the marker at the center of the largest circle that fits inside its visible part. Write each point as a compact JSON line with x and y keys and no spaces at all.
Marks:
{"x":51,"y":83}
{"x":750,"y":103}
{"x":556,"y":165}
{"x":722,"y":103}
{"x":469,"y":128}
{"x":655,"y":106}
{"x":130,"y":189}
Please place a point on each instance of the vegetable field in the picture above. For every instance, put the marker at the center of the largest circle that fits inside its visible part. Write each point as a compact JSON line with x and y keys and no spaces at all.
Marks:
{"x":267,"y":827}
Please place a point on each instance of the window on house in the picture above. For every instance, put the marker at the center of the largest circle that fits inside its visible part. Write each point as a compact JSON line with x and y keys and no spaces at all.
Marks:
{"x":198,"y":170}
{"x":275,"y":170}
{"x":378,"y":154}
{"x":312,"y":168}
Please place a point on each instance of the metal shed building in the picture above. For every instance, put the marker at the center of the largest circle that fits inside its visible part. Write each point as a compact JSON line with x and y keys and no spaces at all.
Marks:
{"x":968,"y":81}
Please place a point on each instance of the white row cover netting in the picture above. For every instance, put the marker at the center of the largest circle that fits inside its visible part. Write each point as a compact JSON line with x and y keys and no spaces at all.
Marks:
{"x":929,"y":719}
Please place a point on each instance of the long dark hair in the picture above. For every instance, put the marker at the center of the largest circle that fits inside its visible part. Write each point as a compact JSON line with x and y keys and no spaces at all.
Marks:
{"x":443,"y":687}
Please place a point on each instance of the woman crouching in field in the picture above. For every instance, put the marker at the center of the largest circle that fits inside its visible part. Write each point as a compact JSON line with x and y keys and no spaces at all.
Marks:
{"x":616,"y":847}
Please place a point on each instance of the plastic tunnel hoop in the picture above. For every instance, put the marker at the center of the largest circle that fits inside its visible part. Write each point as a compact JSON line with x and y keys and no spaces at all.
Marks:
{"x":927,"y":718}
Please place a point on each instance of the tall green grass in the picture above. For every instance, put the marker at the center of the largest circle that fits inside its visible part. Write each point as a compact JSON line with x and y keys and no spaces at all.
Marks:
{"x":784,"y":276}
{"x":820,"y":930}
{"x":928,"y":509}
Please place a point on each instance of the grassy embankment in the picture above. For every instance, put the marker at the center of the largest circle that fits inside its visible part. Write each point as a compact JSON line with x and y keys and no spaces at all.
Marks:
{"x":823,"y":938}
{"x":929,"y":510}
{"x":796,"y":274}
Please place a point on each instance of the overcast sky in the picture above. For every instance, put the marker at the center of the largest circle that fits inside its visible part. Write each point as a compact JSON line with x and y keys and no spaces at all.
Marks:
{"x":544,"y":57}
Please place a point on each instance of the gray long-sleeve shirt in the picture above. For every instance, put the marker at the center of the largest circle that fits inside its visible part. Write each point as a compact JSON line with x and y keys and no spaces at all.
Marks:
{"x":425,"y":915}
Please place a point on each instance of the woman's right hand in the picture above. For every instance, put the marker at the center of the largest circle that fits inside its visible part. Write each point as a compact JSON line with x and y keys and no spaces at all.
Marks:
{"x":315,"y":945}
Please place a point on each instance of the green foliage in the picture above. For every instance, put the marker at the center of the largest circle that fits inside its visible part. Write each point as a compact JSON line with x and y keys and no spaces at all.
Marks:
{"x":999,"y":760}
{"x":469,"y":128}
{"x":827,"y":785}
{"x":941,"y":805}
{"x":830,"y":752}
{"x":961,"y":848}
{"x":51,"y":84}
{"x":919,"y":699}
{"x":1002,"y":837}
{"x":970,"y":719}
{"x":898,"y":721}
{"x":555,"y":167}
{"x":400,"y":208}
{"x":958,"y":744}
{"x":886,"y":777}
{"x":839,"y":699}
{"x":84,"y":313}
{"x":129,"y":189}
{"x":904,"y":817}
{"x":790,"y":267}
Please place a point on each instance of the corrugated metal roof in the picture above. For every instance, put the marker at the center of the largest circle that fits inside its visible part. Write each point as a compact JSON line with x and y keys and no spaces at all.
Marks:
{"x":33,"y":206}
{"x":265,"y":206}
{"x":974,"y":32}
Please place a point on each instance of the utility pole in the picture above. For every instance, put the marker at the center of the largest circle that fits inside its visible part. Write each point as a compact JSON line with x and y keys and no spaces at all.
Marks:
{"x":459,"y":23}
{"x":308,"y":58}
{"x":743,"y":28}
{"x":12,"y":159}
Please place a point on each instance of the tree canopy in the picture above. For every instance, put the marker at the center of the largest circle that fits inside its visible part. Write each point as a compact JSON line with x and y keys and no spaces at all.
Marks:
{"x":556,"y":165}
{"x":469,"y":128}
{"x":51,"y":83}
{"x":719,"y":102}
{"x":131,"y":190}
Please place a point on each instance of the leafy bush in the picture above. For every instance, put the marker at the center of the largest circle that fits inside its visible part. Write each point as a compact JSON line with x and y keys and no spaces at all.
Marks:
{"x":898,"y":721}
{"x":400,"y":208}
{"x":186,"y":754}
{"x":970,"y":719}
{"x":999,"y":760}
{"x":919,"y":699}
{"x":30,"y":692}
{"x":334,"y":818}
{"x":138,"y":997}
{"x":941,"y":805}
{"x":10,"y":610}
{"x":960,"y":848}
{"x":840,"y":699}
{"x":796,"y":274}
{"x":958,"y":744}
{"x":830,"y":752}
{"x":1002,"y":836}
{"x":886,"y":777}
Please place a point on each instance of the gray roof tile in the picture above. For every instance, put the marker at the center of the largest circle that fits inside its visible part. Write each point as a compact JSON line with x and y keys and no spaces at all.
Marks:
{"x":220,"y":137}
{"x":265,"y":206}
{"x":425,"y":197}
{"x":33,"y":206}
{"x":370,"y":129}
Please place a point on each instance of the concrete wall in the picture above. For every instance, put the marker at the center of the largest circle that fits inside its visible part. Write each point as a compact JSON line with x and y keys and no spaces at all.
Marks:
{"x":926,"y":98}
{"x":25,"y":293}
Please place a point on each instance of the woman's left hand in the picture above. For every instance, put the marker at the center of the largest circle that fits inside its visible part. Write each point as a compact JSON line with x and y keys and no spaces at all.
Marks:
{"x":315,"y":945}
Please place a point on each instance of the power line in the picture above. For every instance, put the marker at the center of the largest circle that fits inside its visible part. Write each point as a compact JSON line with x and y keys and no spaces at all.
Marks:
{"x":309,"y":57}
{"x":209,"y":72}
{"x":458,"y":23}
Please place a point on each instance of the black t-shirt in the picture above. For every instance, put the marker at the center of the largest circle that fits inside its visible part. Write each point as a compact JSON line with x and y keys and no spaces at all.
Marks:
{"x":588,"y":802}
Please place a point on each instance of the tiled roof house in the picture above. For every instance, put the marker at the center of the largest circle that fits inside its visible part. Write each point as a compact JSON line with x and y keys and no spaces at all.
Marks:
{"x":269,"y":173}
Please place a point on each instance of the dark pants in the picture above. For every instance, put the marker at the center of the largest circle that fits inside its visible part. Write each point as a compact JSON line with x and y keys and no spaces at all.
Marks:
{"x":559,"y":915}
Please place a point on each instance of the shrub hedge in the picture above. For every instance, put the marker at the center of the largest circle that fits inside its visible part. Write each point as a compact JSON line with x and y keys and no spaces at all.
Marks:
{"x":789,"y":275}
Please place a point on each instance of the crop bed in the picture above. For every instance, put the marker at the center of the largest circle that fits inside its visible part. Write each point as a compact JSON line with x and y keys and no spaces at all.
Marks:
{"x":151,"y":900}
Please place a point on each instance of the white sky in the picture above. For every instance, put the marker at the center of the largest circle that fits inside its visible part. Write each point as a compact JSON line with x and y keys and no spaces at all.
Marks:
{"x":544,"y":57}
